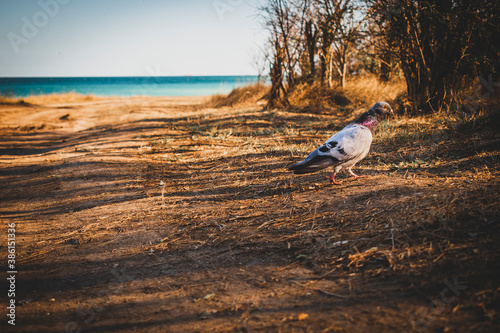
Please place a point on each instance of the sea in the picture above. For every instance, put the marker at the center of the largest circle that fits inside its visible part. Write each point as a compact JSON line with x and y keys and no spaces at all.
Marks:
{"x":124,"y":86}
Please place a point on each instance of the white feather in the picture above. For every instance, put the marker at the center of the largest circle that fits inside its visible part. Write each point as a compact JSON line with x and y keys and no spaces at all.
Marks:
{"x":353,"y":144}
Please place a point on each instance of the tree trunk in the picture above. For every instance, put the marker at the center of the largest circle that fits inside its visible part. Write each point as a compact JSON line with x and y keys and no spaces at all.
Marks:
{"x":311,"y":48}
{"x":330,"y":72}
{"x":277,"y":93}
{"x":342,"y":76}
{"x":323,"y":69}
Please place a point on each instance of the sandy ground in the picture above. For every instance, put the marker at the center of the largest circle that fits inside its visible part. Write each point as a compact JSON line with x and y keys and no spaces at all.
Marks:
{"x":159,"y":215}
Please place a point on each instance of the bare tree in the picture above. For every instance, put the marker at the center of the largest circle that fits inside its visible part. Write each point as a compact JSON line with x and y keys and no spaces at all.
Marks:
{"x":339,"y":22}
{"x":311,"y":34}
{"x":284,"y":21}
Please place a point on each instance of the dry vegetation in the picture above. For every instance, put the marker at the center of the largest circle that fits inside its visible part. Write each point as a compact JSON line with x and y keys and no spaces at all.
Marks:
{"x":358,"y":93}
{"x":320,"y":43}
{"x":69,"y":97}
{"x":184,"y":218}
{"x":249,"y":95}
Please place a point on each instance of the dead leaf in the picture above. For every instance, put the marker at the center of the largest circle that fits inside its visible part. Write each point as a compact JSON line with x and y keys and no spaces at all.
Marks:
{"x":303,"y":316}
{"x":208,"y":296}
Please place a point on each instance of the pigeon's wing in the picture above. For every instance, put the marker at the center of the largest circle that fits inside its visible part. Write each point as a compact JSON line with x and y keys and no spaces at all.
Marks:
{"x":352,"y":143}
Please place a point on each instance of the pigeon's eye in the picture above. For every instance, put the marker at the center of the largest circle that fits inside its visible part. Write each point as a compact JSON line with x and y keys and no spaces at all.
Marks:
{"x":385,"y":107}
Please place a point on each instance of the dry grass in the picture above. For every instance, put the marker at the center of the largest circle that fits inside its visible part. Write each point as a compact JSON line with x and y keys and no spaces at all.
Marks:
{"x":6,"y":100}
{"x":359,"y":92}
{"x":249,"y":94}
{"x":340,"y":106}
{"x":367,"y":90}
{"x":317,"y":97}
{"x":69,"y":97}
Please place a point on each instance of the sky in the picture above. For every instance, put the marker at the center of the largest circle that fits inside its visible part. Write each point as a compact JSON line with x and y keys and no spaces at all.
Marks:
{"x":128,"y":37}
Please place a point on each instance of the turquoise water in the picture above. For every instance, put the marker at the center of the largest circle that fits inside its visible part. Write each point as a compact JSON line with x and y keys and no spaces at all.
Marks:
{"x":124,"y":86}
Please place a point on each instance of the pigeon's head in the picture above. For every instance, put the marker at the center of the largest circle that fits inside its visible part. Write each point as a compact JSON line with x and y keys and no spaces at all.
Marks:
{"x":371,"y":117}
{"x":381,"y":109}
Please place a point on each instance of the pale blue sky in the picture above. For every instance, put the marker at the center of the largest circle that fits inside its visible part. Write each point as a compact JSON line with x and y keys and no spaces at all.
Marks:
{"x":128,"y":37}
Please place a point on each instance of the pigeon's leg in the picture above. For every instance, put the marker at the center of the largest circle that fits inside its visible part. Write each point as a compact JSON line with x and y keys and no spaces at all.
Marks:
{"x":333,"y":181}
{"x":353,"y":174}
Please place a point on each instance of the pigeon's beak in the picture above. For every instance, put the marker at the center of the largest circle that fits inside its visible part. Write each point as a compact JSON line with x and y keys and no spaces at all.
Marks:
{"x":391,"y":112}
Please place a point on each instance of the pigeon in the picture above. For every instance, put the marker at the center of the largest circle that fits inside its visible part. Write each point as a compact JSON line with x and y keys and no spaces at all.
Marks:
{"x":347,"y":147}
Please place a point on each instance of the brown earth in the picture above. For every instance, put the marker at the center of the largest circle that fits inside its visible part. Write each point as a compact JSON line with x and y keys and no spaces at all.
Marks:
{"x":160,"y":215}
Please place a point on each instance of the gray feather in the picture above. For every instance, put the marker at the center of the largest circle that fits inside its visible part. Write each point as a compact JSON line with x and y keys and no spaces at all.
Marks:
{"x":313,"y":162}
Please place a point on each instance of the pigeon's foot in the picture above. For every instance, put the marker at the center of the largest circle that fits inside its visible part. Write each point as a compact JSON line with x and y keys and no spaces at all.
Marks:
{"x":355,"y":175}
{"x":333,"y":181}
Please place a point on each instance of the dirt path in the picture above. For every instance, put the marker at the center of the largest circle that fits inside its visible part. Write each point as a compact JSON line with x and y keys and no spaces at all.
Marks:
{"x":156,"y":215}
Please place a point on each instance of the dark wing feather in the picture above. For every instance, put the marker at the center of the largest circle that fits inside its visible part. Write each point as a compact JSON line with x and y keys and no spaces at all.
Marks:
{"x":313,"y":162}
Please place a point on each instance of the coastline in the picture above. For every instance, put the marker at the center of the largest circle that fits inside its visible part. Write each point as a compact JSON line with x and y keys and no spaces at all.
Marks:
{"x":124,"y":86}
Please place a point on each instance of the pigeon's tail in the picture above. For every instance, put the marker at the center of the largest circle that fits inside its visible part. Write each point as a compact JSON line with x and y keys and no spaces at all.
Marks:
{"x":313,"y":164}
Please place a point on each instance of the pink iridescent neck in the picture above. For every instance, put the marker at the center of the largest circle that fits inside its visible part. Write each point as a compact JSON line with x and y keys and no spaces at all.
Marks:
{"x":370,"y":122}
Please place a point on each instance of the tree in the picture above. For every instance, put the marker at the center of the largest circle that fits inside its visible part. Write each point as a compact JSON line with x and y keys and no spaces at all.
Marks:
{"x":281,"y":19}
{"x":440,"y":44}
{"x":301,"y":32}
{"x":340,"y":21}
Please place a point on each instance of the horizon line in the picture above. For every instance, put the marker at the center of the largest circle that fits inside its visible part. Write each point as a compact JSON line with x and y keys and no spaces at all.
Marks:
{"x":102,"y":76}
